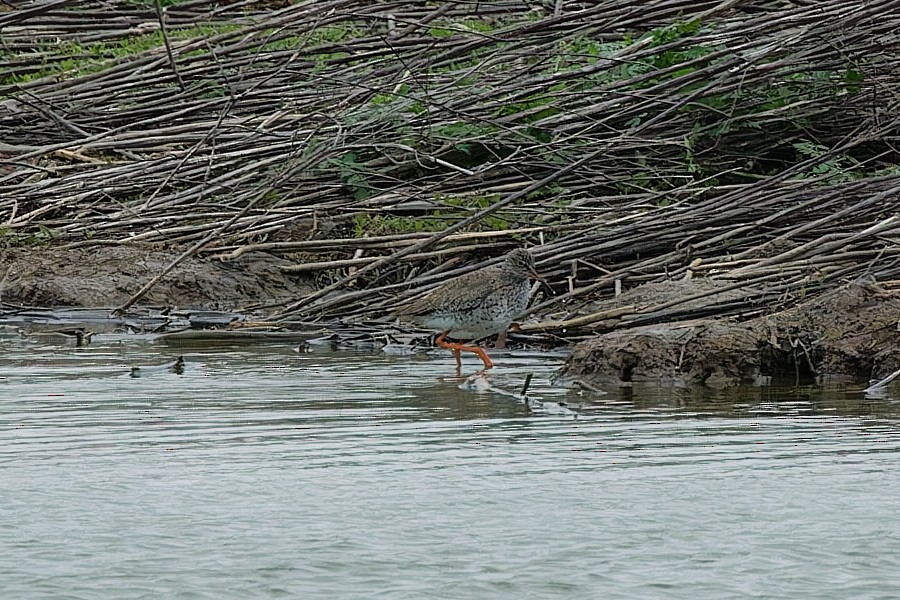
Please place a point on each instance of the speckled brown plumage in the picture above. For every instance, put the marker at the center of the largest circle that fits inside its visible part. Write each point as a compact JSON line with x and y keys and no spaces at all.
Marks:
{"x":477,"y":304}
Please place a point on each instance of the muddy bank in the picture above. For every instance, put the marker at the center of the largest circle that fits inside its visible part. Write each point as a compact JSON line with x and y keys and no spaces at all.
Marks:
{"x":847,"y":334}
{"x":108,"y":276}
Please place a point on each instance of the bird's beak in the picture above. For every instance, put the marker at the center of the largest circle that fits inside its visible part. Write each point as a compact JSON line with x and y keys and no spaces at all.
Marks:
{"x":535,"y":276}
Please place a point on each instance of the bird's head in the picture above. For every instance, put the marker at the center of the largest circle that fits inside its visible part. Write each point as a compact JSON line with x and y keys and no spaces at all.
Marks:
{"x":521,"y":262}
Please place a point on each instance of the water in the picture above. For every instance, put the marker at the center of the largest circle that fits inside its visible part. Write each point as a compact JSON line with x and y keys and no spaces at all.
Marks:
{"x":266,"y":473}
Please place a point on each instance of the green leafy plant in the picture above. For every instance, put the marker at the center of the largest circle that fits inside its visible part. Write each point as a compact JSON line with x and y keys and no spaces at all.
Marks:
{"x":836,"y":168}
{"x":353,"y":176}
{"x":366,"y":224}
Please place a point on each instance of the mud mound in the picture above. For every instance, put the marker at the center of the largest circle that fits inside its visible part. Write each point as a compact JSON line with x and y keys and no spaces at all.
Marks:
{"x":850,"y":333}
{"x":708,"y":352}
{"x":108,"y":276}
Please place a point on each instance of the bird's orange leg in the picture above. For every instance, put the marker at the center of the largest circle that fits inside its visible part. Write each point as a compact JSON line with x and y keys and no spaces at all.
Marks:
{"x":501,"y":340}
{"x":457,"y":348}
{"x":501,"y":337}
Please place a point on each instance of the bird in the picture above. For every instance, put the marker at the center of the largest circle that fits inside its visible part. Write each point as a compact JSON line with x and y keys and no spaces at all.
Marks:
{"x":477,"y":304}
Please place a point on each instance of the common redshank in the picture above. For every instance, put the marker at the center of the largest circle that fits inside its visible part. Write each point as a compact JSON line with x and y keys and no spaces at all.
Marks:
{"x":477,"y":304}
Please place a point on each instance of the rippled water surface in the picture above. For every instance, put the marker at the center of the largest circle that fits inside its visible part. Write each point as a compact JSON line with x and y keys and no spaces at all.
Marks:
{"x":262,"y":472}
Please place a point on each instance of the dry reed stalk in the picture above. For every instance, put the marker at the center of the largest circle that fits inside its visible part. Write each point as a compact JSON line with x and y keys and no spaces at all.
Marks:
{"x":756,"y":136}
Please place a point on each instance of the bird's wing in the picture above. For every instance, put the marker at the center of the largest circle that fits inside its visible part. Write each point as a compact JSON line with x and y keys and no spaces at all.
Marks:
{"x":461,"y":293}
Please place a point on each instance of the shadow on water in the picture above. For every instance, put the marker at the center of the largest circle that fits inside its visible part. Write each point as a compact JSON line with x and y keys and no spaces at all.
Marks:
{"x":752,"y":401}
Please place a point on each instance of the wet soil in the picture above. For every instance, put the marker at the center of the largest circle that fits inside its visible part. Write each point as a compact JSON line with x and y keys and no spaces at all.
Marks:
{"x":846,"y":334}
{"x":108,"y":276}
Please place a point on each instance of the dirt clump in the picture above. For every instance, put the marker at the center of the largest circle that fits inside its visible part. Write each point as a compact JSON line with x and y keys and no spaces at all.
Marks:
{"x":850,"y":333}
{"x":710,"y":352}
{"x":847,"y":334}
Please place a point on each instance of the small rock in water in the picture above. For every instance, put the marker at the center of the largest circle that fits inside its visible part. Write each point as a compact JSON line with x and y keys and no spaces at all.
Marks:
{"x":176,"y":366}
{"x":551,"y":408}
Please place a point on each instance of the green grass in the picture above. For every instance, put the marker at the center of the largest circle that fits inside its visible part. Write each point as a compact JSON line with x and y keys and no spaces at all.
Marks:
{"x":366,"y":224}
{"x":73,"y":58}
{"x":152,"y":3}
{"x":10,"y":239}
{"x":454,"y":207}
